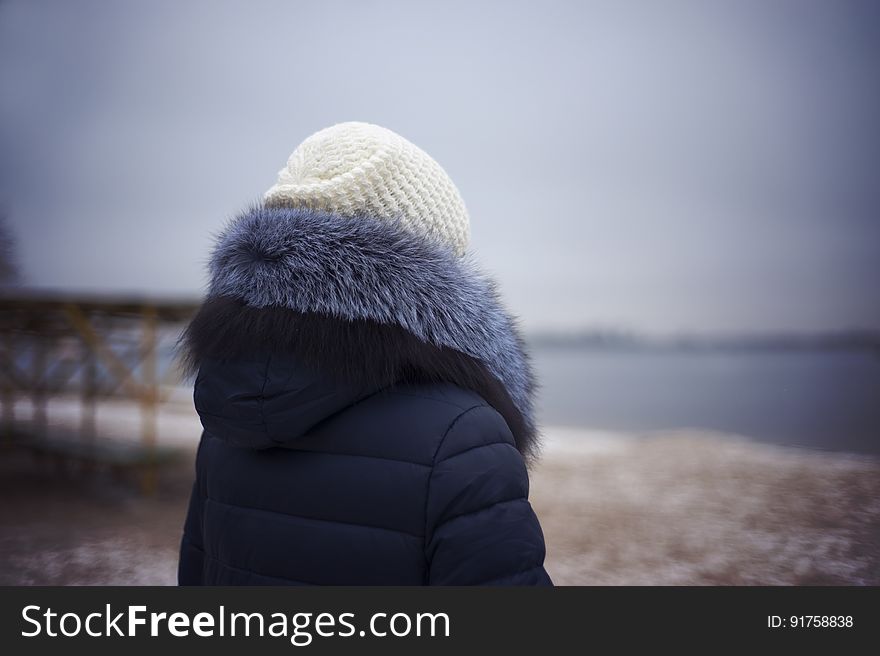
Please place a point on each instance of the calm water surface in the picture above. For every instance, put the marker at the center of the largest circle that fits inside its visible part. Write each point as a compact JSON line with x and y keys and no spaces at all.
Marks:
{"x":828,"y":400}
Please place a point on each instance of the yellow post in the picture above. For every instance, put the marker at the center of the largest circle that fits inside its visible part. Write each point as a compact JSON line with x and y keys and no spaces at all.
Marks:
{"x":88,"y":388}
{"x":149,"y":395}
{"x":40,"y":384}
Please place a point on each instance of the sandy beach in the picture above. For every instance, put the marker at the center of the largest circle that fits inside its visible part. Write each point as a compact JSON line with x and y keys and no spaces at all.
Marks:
{"x":694,"y":508}
{"x":674,"y":508}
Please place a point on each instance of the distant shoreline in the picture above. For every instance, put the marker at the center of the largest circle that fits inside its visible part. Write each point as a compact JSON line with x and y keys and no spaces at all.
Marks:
{"x":853,"y":341}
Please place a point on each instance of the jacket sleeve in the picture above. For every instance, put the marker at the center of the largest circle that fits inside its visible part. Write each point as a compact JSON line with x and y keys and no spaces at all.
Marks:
{"x":480,"y":527}
{"x":192,"y":553}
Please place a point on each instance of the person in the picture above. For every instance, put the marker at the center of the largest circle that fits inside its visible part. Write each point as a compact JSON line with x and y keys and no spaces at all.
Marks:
{"x":366,"y":399}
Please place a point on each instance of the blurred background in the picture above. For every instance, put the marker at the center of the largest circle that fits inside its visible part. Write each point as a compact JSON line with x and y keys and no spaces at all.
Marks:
{"x":679,"y":200}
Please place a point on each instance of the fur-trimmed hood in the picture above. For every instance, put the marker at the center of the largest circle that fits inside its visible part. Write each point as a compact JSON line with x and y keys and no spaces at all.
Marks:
{"x":360,"y":302}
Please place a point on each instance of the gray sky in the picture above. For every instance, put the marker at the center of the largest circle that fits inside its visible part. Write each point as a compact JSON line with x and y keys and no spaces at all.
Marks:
{"x":698,"y":166}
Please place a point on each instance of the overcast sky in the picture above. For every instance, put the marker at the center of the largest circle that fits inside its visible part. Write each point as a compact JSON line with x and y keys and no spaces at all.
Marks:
{"x":698,"y":166}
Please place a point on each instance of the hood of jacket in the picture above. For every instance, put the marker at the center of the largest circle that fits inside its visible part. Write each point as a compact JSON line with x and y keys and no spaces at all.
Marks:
{"x":308,"y":312}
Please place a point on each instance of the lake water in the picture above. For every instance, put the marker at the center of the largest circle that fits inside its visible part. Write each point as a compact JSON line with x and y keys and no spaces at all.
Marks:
{"x":828,"y":400}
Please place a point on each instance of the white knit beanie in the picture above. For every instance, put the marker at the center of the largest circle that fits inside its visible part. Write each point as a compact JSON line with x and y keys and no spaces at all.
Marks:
{"x":357,"y":169}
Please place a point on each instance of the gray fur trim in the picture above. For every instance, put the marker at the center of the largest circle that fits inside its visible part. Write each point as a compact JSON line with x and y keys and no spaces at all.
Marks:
{"x":364,"y":268}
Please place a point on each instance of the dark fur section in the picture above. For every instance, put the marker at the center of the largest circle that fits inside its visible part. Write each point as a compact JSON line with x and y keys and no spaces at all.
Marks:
{"x":360,"y":351}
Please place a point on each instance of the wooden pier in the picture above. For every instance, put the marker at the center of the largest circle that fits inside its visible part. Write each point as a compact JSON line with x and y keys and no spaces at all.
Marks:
{"x":97,"y":347}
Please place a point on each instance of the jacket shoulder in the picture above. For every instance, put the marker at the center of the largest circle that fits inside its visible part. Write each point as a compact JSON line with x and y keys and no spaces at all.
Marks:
{"x":448,"y":418}
{"x":409,"y":422}
{"x":467,"y":420}
{"x":447,"y":397}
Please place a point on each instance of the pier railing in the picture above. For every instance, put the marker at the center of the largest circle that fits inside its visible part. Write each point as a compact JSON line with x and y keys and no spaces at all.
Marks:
{"x":95,"y":347}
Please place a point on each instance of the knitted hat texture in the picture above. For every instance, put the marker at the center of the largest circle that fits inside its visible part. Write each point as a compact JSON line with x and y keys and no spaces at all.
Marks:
{"x":358,"y":169}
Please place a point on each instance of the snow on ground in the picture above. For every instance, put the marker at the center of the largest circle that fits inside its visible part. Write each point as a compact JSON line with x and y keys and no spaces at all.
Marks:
{"x":673,"y":507}
{"x":695,"y":507}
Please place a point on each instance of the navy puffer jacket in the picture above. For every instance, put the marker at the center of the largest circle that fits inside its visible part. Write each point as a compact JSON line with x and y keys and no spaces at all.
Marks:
{"x":367,"y":414}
